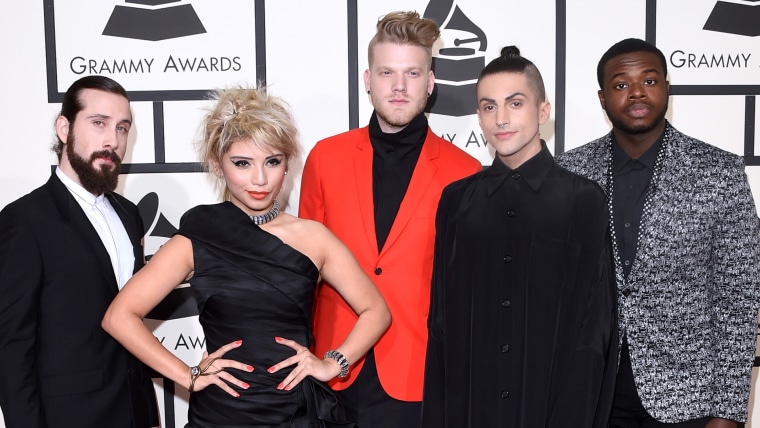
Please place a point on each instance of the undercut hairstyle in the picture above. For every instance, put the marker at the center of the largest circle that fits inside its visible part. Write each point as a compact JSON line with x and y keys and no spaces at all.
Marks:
{"x":245,"y":114}
{"x":72,"y":100}
{"x":628,"y":46}
{"x":510,"y":61}
{"x":405,"y":28}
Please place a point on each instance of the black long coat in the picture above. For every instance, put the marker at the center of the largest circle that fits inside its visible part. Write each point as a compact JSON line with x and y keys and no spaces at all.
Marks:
{"x":522,"y":323}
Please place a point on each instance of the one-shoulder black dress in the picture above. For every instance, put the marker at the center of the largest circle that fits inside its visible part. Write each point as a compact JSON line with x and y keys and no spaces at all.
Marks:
{"x":251,"y":286}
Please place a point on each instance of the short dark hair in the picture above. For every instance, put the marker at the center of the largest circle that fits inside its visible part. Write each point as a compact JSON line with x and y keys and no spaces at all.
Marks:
{"x":72,"y":102}
{"x":628,"y":46}
{"x":510,"y":61}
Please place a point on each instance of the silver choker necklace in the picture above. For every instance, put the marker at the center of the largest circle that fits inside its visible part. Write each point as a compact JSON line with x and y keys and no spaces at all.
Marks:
{"x":269,"y":216}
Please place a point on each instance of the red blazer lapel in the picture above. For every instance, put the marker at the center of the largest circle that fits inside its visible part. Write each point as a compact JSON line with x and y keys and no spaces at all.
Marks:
{"x":417,"y":191}
{"x":364,"y":191}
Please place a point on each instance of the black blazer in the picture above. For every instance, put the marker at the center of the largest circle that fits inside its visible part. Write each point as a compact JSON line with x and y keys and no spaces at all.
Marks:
{"x":58,"y":368}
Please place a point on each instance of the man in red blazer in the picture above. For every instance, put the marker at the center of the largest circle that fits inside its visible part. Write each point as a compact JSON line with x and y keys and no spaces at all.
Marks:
{"x":377,"y":189}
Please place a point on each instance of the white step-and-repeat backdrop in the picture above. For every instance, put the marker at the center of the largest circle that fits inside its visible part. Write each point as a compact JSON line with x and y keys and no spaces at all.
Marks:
{"x":169,"y":53}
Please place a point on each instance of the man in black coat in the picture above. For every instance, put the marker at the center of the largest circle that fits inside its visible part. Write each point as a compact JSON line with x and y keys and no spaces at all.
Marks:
{"x":65,"y":251}
{"x":522,"y":324}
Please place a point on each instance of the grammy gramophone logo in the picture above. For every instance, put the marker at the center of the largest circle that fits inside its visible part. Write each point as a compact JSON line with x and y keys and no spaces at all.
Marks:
{"x":153,"y":20}
{"x":739,"y":17}
{"x":456,"y":67}
{"x":180,"y":303}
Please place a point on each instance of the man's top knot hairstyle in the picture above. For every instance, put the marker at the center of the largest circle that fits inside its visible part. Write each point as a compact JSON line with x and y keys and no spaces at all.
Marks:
{"x":627,"y":46}
{"x":406,"y":28}
{"x":510,"y":61}
{"x":508,"y":51}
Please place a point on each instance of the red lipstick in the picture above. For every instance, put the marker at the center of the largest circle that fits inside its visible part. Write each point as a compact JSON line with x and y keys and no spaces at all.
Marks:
{"x":258,"y":195}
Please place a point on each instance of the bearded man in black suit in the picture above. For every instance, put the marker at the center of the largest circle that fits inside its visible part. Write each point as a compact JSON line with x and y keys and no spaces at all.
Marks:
{"x":66,"y":249}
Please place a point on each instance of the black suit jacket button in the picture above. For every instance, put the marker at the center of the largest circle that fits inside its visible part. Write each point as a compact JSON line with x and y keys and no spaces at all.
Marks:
{"x":504,"y":394}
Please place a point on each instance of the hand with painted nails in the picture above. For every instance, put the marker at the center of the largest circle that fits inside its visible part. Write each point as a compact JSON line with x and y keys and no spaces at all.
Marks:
{"x":212,"y":370}
{"x":307,"y":364}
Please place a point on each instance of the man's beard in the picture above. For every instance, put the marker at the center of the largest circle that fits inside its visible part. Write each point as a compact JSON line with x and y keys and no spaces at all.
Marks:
{"x":97,"y":181}
{"x":641,"y":129}
{"x":400,"y":119}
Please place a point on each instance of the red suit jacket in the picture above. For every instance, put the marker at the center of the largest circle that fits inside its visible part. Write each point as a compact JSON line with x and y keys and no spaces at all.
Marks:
{"x":336,"y":190}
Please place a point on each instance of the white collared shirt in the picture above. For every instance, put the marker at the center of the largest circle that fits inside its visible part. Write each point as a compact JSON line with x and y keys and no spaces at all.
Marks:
{"x":107,"y":223}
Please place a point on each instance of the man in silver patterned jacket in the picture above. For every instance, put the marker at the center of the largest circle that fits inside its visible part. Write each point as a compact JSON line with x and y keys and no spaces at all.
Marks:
{"x":686,"y":245}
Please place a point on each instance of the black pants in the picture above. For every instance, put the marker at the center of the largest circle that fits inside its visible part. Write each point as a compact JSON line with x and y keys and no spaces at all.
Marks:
{"x":627,"y":410}
{"x":372,"y":406}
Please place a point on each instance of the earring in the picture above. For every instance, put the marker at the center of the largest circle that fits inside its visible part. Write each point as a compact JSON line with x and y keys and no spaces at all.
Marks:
{"x":286,"y":172}
{"x":367,"y":91}
{"x":429,"y":94}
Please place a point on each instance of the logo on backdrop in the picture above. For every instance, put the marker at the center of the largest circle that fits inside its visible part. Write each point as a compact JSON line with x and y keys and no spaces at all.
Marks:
{"x":180,"y":303}
{"x":153,"y":21}
{"x":741,"y":18}
{"x":160,"y":50}
{"x":698,"y":62}
{"x":456,"y":68}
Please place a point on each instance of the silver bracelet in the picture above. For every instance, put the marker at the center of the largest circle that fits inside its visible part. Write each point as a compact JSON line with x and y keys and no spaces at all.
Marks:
{"x":342,"y":361}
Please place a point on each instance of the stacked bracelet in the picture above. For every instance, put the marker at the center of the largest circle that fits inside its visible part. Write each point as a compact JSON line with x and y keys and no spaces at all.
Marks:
{"x":196,"y":371}
{"x":342,"y":361}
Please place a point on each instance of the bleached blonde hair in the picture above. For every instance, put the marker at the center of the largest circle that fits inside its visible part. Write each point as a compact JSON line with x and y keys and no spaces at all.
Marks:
{"x":245,"y":114}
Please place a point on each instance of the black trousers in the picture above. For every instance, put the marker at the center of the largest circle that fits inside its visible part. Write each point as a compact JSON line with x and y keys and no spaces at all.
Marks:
{"x":372,"y":406}
{"x":627,"y":410}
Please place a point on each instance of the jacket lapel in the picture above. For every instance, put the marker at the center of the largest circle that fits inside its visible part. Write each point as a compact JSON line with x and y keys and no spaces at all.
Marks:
{"x":423,"y":174}
{"x":652,"y":217}
{"x":364,"y":191}
{"x":71,"y":212}
{"x":132,"y":228}
{"x":602,"y":174}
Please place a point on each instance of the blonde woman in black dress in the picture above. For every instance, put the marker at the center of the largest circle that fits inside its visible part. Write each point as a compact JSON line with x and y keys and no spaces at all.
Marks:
{"x":253,"y":269}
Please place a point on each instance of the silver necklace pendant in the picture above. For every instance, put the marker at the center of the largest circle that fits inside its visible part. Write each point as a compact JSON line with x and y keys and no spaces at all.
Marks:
{"x":269,"y":216}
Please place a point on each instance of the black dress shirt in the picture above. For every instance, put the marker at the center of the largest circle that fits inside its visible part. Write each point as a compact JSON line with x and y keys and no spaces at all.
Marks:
{"x":394,"y":157}
{"x":630,"y":179}
{"x":522,"y":324}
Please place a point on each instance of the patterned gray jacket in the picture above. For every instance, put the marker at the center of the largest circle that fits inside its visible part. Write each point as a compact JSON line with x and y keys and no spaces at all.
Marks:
{"x":690,"y":303}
